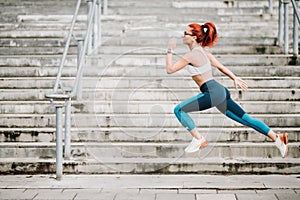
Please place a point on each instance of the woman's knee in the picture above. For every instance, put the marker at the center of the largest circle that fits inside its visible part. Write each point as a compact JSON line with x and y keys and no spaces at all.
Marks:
{"x":177,"y":110}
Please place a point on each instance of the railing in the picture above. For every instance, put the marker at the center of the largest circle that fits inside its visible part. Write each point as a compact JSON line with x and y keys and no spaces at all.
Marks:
{"x":63,"y":99}
{"x":283,"y":26}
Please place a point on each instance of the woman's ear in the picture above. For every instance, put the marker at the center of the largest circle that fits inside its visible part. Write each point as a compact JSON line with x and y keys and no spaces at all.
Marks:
{"x":195,"y":38}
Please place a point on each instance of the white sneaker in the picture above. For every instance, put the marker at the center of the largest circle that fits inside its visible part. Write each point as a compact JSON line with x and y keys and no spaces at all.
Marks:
{"x":195,"y":145}
{"x":282,"y":143}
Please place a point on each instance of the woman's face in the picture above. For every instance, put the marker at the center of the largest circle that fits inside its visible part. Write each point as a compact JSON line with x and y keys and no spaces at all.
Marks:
{"x":187,"y":37}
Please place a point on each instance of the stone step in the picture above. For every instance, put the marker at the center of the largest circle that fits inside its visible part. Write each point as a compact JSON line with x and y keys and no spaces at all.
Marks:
{"x":237,"y":60}
{"x":173,"y":82}
{"x":127,"y":21}
{"x":159,"y":70}
{"x":146,"y":42}
{"x":150,"y":134}
{"x":138,"y":60}
{"x":218,"y":49}
{"x":154,"y":33}
{"x":124,"y":82}
{"x":22,"y":21}
{"x":190,"y":4}
{"x":36,"y":42}
{"x":237,"y":165}
{"x":36,"y":51}
{"x":179,"y":95}
{"x":150,"y":10}
{"x":141,"y":120}
{"x":142,"y":107}
{"x":147,"y":150}
{"x":150,"y":94}
{"x":35,"y":7}
{"x":40,"y":34}
{"x":15,"y":69}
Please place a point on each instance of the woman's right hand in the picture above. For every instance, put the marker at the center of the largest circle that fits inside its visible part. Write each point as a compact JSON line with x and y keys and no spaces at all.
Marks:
{"x":172,"y":43}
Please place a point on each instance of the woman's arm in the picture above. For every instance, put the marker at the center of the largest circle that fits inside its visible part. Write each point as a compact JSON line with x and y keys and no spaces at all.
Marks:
{"x":171,"y":68}
{"x":181,"y":63}
{"x":238,"y":82}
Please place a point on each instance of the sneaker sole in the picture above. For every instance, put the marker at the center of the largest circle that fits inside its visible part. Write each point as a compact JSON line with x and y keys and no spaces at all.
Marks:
{"x":286,"y":141}
{"x":203,"y":144}
{"x":285,"y":138}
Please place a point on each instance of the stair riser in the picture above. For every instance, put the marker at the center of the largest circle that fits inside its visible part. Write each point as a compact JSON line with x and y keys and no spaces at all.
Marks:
{"x":126,"y":82}
{"x":146,"y":42}
{"x":133,"y":61}
{"x":215,"y":134}
{"x":144,"y":71}
{"x":155,"y":107}
{"x":142,"y":121}
{"x":142,"y":168}
{"x":141,"y":151}
{"x":220,"y":49}
{"x":175,"y":95}
{"x":36,"y":51}
{"x":169,"y":95}
{"x":192,"y":11}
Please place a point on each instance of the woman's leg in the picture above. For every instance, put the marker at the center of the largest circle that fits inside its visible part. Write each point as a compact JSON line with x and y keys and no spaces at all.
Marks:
{"x":197,"y":103}
{"x":235,"y":112}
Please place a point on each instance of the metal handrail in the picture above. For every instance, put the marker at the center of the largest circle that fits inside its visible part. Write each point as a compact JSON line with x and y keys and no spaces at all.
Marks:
{"x":296,"y":10}
{"x":283,"y":35}
{"x":69,"y":93}
{"x":295,"y":29}
{"x":63,"y":60}
{"x":84,"y":49}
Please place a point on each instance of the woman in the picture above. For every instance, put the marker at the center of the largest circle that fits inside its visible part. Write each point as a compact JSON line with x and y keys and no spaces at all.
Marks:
{"x":198,"y":62}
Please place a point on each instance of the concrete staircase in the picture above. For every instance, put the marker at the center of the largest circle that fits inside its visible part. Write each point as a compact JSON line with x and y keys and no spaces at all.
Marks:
{"x":123,"y":122}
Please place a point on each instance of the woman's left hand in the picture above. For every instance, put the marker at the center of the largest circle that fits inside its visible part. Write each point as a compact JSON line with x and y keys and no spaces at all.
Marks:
{"x":239,"y":83}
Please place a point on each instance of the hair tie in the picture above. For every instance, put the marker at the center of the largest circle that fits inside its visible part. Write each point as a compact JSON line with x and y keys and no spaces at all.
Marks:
{"x":205,"y":29}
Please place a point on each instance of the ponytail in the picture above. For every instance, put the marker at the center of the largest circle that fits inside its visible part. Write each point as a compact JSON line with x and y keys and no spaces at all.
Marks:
{"x":206,"y":34}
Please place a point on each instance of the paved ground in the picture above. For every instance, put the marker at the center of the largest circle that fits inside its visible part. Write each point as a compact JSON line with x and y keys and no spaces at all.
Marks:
{"x":151,"y":187}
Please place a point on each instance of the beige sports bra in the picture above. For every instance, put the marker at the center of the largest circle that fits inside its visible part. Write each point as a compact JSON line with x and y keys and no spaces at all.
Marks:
{"x":202,"y":60}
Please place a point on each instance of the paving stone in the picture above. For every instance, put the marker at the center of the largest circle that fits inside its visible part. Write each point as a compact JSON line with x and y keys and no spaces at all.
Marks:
{"x":256,"y":196}
{"x":120,"y":190}
{"x":216,"y":196}
{"x":127,"y":196}
{"x":15,"y":194}
{"x":276,"y":191}
{"x":291,"y":196}
{"x":156,"y":191}
{"x":54,"y":195}
{"x":197,"y":191}
{"x":236,"y":192}
{"x":176,"y":196}
{"x":80,"y":190}
{"x":95,"y":196}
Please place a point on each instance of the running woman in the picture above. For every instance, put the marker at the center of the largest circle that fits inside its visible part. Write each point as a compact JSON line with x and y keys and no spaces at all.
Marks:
{"x":198,"y":62}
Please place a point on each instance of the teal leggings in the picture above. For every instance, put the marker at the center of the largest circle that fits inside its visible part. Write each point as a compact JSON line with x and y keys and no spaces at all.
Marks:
{"x":215,"y":95}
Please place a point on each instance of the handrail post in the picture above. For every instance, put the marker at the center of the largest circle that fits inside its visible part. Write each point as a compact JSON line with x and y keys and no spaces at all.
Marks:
{"x":95,"y":28}
{"x":99,"y":22}
{"x":79,"y":56}
{"x":270,"y":6}
{"x":286,"y":26}
{"x":67,"y":149}
{"x":59,"y":149}
{"x":105,"y":5}
{"x":280,"y":23}
{"x":89,"y":38}
{"x":295,"y":31}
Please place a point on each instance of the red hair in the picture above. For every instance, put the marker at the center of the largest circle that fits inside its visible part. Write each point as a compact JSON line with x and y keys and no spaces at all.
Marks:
{"x":206,"y":34}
